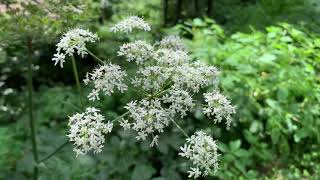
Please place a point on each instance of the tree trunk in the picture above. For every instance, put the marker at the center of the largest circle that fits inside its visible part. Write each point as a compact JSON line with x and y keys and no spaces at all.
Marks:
{"x":209,"y":8}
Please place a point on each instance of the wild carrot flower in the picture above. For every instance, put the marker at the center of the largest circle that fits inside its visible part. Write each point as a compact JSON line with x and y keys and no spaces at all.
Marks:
{"x":130,"y":23}
{"x":201,"y":150}
{"x":138,"y":51}
{"x":148,"y":116}
{"x":106,"y":78}
{"x":172,"y":42}
{"x":219,"y":107}
{"x":87,"y":131}
{"x":180,"y":101}
{"x":73,"y":41}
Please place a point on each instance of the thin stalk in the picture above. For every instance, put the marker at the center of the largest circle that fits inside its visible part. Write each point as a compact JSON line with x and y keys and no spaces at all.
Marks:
{"x":178,"y":126}
{"x":96,"y":57}
{"x":30,"y":104}
{"x":76,"y":76}
{"x":72,"y":105}
{"x":121,"y":116}
{"x":162,"y":92}
{"x":54,"y":152}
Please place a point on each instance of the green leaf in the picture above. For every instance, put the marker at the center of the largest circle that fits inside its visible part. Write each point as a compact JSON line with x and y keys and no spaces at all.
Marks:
{"x":267,"y":58}
{"x":234,"y":145}
{"x":142,"y":172}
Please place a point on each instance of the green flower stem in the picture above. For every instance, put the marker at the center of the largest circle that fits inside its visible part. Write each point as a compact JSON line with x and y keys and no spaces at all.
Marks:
{"x":162,"y":92}
{"x":178,"y":126}
{"x":121,"y":116}
{"x":76,"y":76}
{"x":72,"y":105}
{"x":54,"y":152}
{"x":95,"y":57}
{"x":30,"y":104}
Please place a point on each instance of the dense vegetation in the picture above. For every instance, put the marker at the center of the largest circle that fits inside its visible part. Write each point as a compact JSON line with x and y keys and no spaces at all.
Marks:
{"x":268,"y":53}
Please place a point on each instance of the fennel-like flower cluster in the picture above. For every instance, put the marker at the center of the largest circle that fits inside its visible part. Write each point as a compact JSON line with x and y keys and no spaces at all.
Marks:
{"x":169,"y":80}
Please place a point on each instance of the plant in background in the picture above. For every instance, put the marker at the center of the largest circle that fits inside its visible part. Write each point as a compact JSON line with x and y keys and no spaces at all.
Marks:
{"x":27,"y":25}
{"x":273,"y":77}
{"x":168,"y":81}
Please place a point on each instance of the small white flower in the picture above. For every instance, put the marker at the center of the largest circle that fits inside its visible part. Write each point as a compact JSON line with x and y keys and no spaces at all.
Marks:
{"x":87,"y":131}
{"x":59,"y":58}
{"x":7,"y":91}
{"x":106,"y":78}
{"x":130,"y":23}
{"x":125,"y":124}
{"x":154,"y":141}
{"x":202,"y":151}
{"x":219,"y":107}
{"x":4,"y":108}
{"x":195,"y":172}
{"x":73,"y":41}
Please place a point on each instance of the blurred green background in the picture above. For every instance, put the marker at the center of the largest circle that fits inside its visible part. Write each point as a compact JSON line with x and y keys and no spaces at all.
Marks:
{"x":268,"y":52}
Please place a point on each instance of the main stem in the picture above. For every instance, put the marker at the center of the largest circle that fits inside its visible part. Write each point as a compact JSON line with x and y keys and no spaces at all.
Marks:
{"x":30,"y":104}
{"x":76,"y":76}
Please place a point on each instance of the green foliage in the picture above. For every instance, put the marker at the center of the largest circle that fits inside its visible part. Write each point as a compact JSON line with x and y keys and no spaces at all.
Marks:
{"x":10,"y":149}
{"x":273,"y":78}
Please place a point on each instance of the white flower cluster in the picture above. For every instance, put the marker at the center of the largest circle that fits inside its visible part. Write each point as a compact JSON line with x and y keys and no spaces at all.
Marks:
{"x":138,"y":51}
{"x":172,"y":42}
{"x":172,"y":57}
{"x":73,"y":41}
{"x":219,"y":107}
{"x":87,"y":131}
{"x":195,"y":76}
{"x":106,"y":78}
{"x":180,"y":101}
{"x":169,"y":81}
{"x":151,"y":78}
{"x":149,"y":117}
{"x":201,"y":150}
{"x":130,"y":23}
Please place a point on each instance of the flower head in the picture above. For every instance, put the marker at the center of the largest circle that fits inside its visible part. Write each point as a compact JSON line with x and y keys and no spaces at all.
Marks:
{"x":73,"y":41}
{"x":139,"y":51}
{"x":172,"y":42}
{"x":180,"y":101}
{"x":130,"y":23}
{"x":87,"y":131}
{"x":148,"y":116}
{"x":219,"y":107}
{"x":201,"y":150}
{"x":106,"y":78}
{"x":195,"y":76}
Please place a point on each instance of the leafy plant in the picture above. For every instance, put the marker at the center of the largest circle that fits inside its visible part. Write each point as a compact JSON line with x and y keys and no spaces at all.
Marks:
{"x":273,"y":77}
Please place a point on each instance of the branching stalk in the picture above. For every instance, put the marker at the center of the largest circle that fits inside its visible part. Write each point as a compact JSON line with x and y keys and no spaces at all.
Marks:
{"x":54,"y":152}
{"x":96,"y":57}
{"x":178,"y":126}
